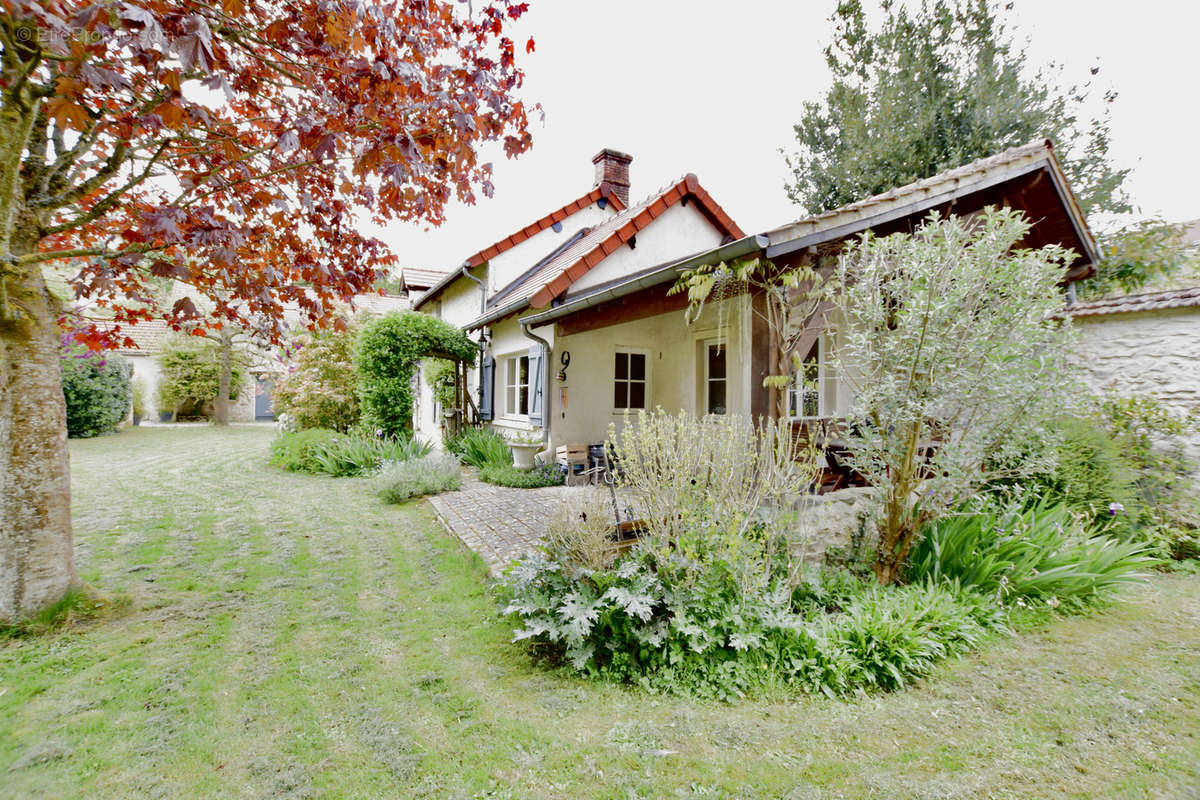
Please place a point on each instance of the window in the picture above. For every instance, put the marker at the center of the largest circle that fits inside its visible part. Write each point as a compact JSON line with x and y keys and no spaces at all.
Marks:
{"x":806,"y":399}
{"x":629,"y":381}
{"x":715,"y":378}
{"x":516,"y":386}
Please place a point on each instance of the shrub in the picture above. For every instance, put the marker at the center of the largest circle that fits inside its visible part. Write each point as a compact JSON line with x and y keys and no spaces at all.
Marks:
{"x":694,"y":628}
{"x":398,"y":481}
{"x":680,"y":471}
{"x":510,"y":476}
{"x":480,"y":447}
{"x":579,"y":535}
{"x":387,"y":352}
{"x":97,"y":390}
{"x":1037,"y":552}
{"x":191,"y":374}
{"x":319,"y":450}
{"x":1091,"y":473}
{"x":319,"y":391}
{"x":297,"y":451}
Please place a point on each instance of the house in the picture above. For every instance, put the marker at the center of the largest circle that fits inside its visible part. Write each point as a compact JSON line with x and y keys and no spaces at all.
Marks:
{"x":577,"y":326}
{"x":265,"y":363}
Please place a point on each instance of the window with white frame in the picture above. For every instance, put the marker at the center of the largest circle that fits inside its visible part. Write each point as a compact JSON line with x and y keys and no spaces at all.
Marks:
{"x":516,"y":386}
{"x":809,"y":389}
{"x":629,"y":380}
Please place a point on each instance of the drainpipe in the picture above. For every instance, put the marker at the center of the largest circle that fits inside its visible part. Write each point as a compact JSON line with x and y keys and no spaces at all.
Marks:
{"x":546,"y":417}
{"x":466,"y":271}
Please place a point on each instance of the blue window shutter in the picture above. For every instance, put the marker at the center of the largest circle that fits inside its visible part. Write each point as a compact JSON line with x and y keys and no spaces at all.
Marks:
{"x":537,"y":381}
{"x":487,"y":381}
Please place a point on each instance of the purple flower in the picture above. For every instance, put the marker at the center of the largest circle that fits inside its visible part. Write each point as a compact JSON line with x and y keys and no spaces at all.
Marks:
{"x":1115,"y":508}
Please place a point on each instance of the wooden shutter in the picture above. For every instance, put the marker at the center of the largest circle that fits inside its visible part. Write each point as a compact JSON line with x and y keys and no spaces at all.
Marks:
{"x":537,"y":385}
{"x":487,"y":382}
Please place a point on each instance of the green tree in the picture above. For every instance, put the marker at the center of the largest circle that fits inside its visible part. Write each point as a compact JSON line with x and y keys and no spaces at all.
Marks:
{"x":97,"y":390}
{"x":935,"y":87}
{"x":950,"y":346}
{"x":1143,"y":254}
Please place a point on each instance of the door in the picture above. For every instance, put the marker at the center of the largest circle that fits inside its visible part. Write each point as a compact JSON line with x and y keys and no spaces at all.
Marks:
{"x":262,"y":398}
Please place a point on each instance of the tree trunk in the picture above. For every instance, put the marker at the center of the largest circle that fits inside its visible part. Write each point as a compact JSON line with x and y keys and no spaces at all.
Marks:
{"x":37,"y":563}
{"x":221,"y":406}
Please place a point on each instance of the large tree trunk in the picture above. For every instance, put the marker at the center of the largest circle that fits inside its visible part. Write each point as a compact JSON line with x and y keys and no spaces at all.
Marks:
{"x":37,"y":564}
{"x":222,"y":405}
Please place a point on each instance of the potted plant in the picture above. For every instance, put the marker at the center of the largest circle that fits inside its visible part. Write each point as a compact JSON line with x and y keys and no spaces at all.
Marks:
{"x":139,"y":401}
{"x":524,"y":445}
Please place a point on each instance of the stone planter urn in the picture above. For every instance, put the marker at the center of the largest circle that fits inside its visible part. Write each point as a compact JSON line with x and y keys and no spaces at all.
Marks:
{"x":523,"y":454}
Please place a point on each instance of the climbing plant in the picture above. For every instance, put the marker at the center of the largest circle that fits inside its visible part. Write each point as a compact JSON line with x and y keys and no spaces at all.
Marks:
{"x":388,"y":353}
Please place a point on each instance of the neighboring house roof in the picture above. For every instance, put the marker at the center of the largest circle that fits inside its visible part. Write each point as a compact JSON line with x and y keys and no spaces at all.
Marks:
{"x":418,"y":278}
{"x":1147,"y":301}
{"x":603,"y":195}
{"x":945,"y":187}
{"x":555,"y":273}
{"x":148,"y":336}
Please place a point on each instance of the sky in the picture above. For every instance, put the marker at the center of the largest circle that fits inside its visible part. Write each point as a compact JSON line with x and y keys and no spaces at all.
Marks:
{"x":714,"y":89}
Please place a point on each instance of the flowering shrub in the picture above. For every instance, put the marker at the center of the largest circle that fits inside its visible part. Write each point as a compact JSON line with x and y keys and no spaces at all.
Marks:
{"x":97,"y":390}
{"x":319,"y":390}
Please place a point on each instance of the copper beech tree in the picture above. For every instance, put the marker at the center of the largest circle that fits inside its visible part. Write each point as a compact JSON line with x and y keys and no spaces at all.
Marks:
{"x":233,"y":145}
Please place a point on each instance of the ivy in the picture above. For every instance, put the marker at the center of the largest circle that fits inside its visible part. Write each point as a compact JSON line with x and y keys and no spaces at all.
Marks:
{"x":388,"y":353}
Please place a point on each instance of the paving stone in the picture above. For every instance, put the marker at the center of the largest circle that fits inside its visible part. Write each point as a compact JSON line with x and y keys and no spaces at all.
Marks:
{"x":499,"y":523}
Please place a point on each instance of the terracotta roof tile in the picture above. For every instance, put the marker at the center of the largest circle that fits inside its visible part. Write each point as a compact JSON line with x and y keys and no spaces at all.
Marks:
{"x":1148,"y":301}
{"x":573,"y":262}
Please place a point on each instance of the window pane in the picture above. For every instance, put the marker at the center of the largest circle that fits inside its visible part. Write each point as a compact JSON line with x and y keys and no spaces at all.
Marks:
{"x":525,"y":370}
{"x":524,"y":390}
{"x":716,"y":361}
{"x":510,"y":404}
{"x":622,"y":366}
{"x":716,"y":397}
{"x":637,"y":366}
{"x":812,"y":405}
{"x":620,"y":389}
{"x":511,"y":368}
{"x":637,"y":394}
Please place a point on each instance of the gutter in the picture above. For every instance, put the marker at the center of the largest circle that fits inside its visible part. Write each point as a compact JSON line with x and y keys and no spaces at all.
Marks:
{"x":546,"y":416}
{"x":736,"y":249}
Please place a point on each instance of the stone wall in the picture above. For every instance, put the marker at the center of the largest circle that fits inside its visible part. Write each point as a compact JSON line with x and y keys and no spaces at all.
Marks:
{"x":1152,"y":352}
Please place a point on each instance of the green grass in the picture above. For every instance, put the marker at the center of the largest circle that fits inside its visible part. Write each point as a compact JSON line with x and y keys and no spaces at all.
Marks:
{"x":287,"y":635}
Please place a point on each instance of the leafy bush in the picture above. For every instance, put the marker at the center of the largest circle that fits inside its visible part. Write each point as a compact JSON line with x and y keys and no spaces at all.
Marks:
{"x":319,"y":450}
{"x":297,"y":451}
{"x":1091,"y":474}
{"x":580,"y":534}
{"x":398,"y":481}
{"x":439,"y":374}
{"x":139,"y":397}
{"x":510,"y":476}
{"x":97,"y":390}
{"x":386,"y":355}
{"x":672,"y":624}
{"x":481,"y":447}
{"x":191,"y":374}
{"x":319,"y":391}
{"x":1038,"y":552}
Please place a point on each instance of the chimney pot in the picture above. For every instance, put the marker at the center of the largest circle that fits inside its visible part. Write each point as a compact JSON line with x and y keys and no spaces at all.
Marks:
{"x":612,"y":173}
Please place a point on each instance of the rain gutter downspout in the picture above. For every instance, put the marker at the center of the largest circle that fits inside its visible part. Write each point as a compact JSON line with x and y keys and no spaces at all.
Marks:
{"x":546,"y":416}
{"x":466,"y":271}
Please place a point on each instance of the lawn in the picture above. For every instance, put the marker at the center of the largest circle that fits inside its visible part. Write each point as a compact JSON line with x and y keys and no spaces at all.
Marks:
{"x":279,"y":635}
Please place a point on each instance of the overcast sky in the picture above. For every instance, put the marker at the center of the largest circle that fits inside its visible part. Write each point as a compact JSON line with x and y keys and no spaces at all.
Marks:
{"x":714,"y":88}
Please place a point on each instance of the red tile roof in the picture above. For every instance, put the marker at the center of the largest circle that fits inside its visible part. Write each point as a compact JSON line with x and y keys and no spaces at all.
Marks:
{"x":1148,"y":301}
{"x":536,"y":227}
{"x":568,"y":266}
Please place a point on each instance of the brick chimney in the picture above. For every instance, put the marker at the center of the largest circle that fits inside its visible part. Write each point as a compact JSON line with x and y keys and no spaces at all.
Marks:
{"x":612,"y":172}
